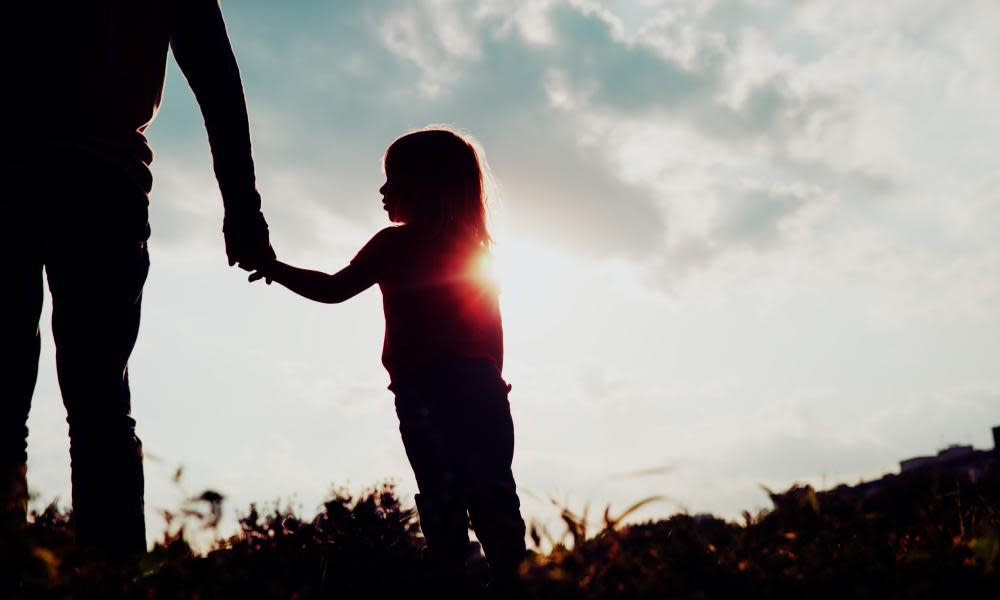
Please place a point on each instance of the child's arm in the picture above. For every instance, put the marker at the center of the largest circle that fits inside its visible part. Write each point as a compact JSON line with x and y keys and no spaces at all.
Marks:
{"x":321,"y":287}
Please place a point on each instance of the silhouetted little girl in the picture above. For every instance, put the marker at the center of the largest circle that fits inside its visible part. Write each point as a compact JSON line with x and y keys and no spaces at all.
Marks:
{"x":443,"y":344}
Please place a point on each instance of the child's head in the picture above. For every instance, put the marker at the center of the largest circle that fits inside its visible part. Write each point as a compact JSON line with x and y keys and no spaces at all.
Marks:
{"x":435,"y":177}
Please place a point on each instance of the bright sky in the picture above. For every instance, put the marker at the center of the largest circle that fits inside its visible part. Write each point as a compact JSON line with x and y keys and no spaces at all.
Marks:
{"x":742,"y":243}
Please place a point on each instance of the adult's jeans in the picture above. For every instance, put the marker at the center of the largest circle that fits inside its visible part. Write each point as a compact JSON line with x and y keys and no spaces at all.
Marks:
{"x":459,"y":437}
{"x":86,"y":226}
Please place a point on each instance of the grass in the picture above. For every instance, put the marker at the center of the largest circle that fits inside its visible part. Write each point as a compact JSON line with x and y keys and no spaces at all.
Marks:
{"x":928,"y":534}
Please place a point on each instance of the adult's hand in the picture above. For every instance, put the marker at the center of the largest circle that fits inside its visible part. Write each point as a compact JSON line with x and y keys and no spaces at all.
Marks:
{"x":247,"y":241}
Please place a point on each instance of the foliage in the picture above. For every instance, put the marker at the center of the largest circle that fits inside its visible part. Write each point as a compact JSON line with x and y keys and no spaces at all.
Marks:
{"x":929,"y":534}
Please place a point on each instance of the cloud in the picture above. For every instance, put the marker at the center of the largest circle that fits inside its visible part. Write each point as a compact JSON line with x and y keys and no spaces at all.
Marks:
{"x":553,"y":89}
{"x":735,"y":224}
{"x":696,"y":138}
{"x":365,"y":75}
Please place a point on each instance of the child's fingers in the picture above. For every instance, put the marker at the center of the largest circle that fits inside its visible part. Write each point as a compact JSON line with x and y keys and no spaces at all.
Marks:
{"x":257,"y":276}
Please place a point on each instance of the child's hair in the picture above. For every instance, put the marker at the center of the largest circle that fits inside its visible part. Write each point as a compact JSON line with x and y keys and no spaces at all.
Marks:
{"x":445,"y":181}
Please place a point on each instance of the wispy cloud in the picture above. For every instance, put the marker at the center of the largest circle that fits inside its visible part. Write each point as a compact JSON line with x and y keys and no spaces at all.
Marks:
{"x":742,"y":222}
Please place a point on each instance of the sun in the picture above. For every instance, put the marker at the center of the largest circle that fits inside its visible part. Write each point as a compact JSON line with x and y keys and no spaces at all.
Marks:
{"x":537,"y":283}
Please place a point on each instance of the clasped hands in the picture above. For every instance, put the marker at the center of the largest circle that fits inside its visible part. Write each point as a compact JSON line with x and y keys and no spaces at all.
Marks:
{"x":247,"y":244}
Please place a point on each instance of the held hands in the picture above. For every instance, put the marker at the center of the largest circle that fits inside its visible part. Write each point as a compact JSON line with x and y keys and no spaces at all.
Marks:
{"x":247,"y":241}
{"x":264,"y":271}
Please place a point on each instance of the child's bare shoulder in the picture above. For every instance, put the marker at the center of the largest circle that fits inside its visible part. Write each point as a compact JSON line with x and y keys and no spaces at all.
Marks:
{"x":387,"y":235}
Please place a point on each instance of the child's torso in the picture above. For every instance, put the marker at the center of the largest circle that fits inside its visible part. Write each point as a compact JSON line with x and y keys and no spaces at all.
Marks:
{"x":440,"y":303}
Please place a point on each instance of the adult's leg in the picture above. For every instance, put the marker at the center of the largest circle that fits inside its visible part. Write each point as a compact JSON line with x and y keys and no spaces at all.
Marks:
{"x":95,"y":321}
{"x":97,"y":263}
{"x":440,"y":503}
{"x":485,"y":433}
{"x":19,"y":347}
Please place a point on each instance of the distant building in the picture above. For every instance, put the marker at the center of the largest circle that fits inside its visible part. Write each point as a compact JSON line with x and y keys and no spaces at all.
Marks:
{"x":964,"y":462}
{"x":962,"y":459}
{"x":917,"y":462}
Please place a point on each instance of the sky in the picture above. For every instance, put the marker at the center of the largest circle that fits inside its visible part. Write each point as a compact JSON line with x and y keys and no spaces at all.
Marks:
{"x":743,"y":243}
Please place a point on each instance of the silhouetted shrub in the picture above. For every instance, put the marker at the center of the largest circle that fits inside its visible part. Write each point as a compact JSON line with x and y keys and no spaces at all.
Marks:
{"x":928,"y":534}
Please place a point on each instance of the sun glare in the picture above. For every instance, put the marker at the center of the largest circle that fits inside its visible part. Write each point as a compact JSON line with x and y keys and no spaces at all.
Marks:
{"x":537,"y":285}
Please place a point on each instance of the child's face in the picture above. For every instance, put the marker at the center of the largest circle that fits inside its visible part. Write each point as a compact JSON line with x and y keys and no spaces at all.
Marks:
{"x":391,"y":197}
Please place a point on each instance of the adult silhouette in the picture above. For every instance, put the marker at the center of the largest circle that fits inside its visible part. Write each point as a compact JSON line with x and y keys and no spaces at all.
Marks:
{"x":83,"y":80}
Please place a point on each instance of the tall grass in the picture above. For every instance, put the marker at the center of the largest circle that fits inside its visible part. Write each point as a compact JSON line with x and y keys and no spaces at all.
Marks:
{"x":931,"y":534}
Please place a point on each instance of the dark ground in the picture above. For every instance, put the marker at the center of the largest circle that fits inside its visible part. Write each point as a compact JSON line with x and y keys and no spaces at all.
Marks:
{"x":931,"y":534}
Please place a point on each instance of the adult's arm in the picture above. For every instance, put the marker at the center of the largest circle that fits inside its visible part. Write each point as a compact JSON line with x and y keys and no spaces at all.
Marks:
{"x":201,"y":47}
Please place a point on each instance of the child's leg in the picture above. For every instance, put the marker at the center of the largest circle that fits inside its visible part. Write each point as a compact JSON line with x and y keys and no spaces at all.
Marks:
{"x":440,"y":503}
{"x":484,"y":434}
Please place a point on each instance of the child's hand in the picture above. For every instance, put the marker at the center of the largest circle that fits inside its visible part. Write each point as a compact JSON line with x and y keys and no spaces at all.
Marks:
{"x":264,"y":271}
{"x":257,"y":275}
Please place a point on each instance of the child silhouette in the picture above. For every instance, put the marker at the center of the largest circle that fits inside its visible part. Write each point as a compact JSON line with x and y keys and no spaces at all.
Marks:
{"x":443,"y":345}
